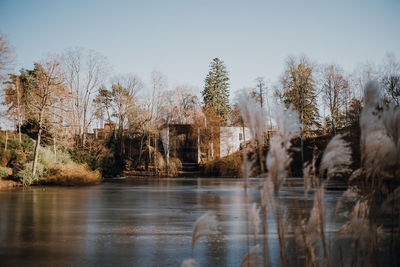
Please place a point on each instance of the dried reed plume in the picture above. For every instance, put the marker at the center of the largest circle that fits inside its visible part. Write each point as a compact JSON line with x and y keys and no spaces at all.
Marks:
{"x":287,"y":123}
{"x":203,"y":226}
{"x":391,"y":121}
{"x":255,"y":219}
{"x":307,"y":178}
{"x":190,"y":263}
{"x":311,"y":233}
{"x":365,"y":234}
{"x":247,"y":165}
{"x":253,"y":115}
{"x":377,"y":148}
{"x":251,"y":258}
{"x":336,"y":158}
{"x":278,"y":161}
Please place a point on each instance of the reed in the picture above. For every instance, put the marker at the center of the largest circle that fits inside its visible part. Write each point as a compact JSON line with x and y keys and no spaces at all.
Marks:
{"x":378,"y":178}
{"x":251,"y":258}
{"x":203,"y":226}
{"x":190,"y":263}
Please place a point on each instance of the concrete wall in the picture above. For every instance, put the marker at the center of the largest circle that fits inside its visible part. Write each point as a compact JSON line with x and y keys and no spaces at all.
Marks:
{"x":231,"y":139}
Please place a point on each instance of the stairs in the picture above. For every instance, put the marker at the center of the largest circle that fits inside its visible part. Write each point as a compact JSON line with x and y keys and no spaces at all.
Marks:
{"x":190,"y":170}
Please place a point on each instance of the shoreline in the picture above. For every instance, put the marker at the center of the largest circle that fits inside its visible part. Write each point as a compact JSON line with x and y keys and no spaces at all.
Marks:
{"x":7,"y":184}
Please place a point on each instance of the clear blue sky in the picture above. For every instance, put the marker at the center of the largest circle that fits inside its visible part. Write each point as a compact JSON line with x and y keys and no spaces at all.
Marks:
{"x":180,"y":38}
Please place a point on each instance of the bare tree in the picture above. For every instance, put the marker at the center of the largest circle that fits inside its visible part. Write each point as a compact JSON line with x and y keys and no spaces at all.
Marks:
{"x":14,"y":100}
{"x":6,"y":58}
{"x":179,"y":105}
{"x":334,"y":88}
{"x":84,"y":72}
{"x":360,"y":76}
{"x":124,"y":91}
{"x":390,"y":78}
{"x":260,"y":85}
{"x":158,"y":83}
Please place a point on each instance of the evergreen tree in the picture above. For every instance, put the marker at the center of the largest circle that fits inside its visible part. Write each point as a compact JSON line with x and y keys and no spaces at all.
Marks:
{"x":216,"y":89}
{"x":299,"y":91}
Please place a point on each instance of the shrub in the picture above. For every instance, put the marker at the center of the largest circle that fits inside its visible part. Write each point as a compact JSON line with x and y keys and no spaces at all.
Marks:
{"x":71,"y":173}
{"x":5,"y":157}
{"x":13,"y":144}
{"x":111,"y":165}
{"x":3,"y":172}
{"x":27,"y":143}
{"x":26,"y":176}
{"x":83,"y":156}
{"x":229,"y":166}
{"x":174,"y":166}
{"x":46,"y":156}
{"x":160,"y":162}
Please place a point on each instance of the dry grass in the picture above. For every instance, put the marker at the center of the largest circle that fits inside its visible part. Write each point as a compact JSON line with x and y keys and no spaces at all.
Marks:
{"x":4,"y":184}
{"x":71,"y":173}
{"x":230,"y":166}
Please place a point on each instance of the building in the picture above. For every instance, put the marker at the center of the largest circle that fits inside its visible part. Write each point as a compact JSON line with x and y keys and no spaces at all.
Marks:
{"x":192,"y":144}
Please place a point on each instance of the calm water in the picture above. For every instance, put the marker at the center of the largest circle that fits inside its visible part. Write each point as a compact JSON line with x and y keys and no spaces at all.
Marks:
{"x":135,"y":222}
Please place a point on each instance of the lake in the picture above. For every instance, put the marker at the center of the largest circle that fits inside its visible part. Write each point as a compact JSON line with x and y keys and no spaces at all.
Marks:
{"x":140,"y":222}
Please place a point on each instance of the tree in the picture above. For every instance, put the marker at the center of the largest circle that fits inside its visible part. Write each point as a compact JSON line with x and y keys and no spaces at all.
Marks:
{"x":179,"y":106}
{"x":84,"y":71}
{"x":216,"y":89}
{"x":159,"y":83}
{"x":103,"y":102}
{"x":123,"y":93}
{"x":391,"y":79}
{"x":259,"y":91}
{"x":299,"y":90}
{"x":5,"y":56}
{"x":15,"y":100}
{"x":42,"y":85}
{"x":334,"y":88}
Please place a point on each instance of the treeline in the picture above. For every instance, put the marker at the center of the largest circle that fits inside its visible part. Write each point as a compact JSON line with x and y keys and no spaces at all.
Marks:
{"x":60,"y":101}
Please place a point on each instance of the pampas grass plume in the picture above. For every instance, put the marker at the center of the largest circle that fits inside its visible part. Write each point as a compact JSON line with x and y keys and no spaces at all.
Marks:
{"x":337,"y":157}
{"x":251,"y":257}
{"x":190,"y":263}
{"x":203,"y":226}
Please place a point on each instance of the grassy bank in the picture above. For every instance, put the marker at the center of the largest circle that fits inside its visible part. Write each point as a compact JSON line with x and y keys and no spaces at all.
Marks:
{"x":56,"y":167}
{"x":229,"y":166}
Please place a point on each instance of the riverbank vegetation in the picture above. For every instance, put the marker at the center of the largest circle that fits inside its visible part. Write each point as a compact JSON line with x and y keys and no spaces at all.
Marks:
{"x":53,"y":166}
{"x":369,"y":206}
{"x":69,"y":106}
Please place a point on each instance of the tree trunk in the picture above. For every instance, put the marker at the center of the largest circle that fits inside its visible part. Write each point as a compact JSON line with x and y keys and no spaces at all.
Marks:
{"x":19,"y":131}
{"x":140,"y":150}
{"x":5,"y":146}
{"x":55,"y":148}
{"x":19,"y":113}
{"x":84,"y":128}
{"x":84,"y":138}
{"x":36,"y":155}
{"x":155,"y":153}
{"x":148,"y":146}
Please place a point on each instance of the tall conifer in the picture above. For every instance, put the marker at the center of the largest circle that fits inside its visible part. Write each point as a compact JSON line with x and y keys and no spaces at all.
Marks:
{"x":216,"y":89}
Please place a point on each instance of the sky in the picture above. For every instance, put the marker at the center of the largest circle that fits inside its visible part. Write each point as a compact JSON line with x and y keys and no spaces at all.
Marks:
{"x":181,"y":37}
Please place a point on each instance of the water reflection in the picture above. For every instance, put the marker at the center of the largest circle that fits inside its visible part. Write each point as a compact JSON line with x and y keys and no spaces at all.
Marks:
{"x":135,"y":222}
